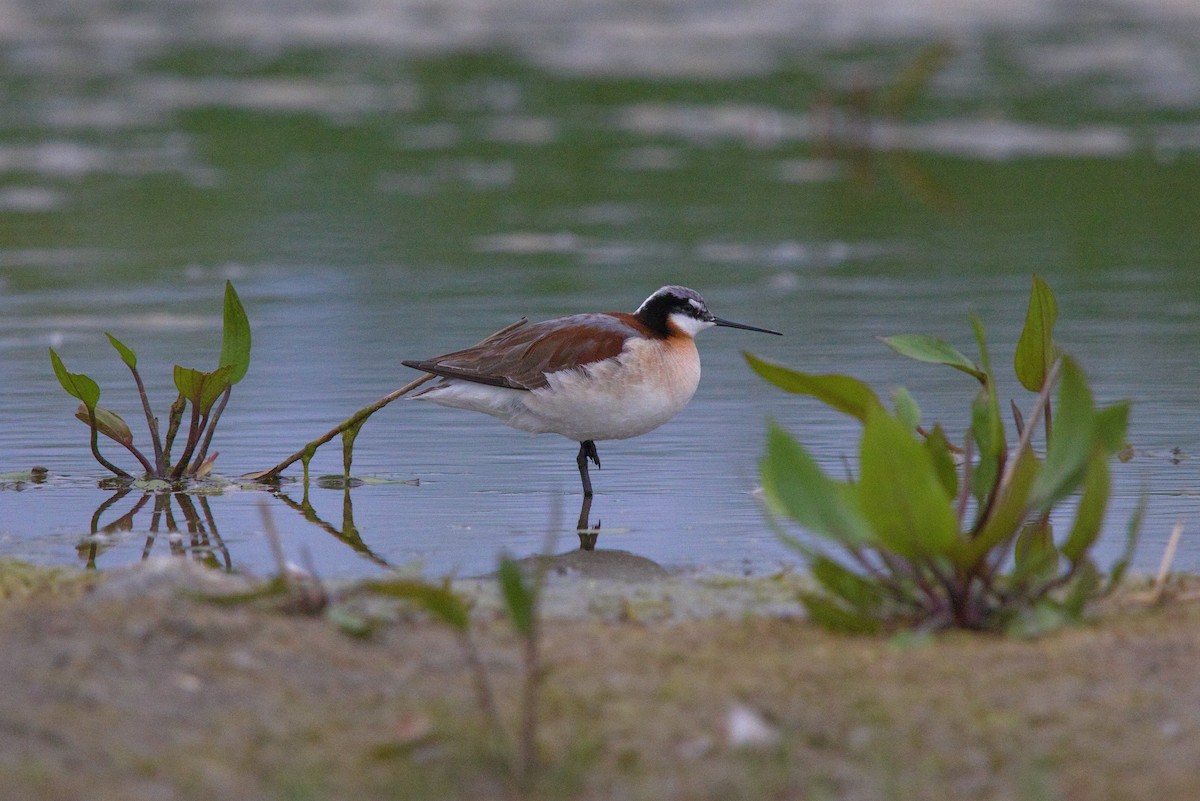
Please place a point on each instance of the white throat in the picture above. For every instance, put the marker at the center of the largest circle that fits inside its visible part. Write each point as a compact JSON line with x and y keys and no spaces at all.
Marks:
{"x":688,"y":324}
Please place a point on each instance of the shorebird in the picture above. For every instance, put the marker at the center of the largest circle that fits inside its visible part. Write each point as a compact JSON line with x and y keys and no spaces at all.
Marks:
{"x":588,"y":377}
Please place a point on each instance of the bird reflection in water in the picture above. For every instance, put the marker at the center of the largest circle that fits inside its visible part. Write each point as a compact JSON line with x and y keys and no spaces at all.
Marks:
{"x":190,"y":528}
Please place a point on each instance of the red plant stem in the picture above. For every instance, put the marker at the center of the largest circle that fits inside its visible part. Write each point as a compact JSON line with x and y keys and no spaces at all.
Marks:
{"x":193,"y":435}
{"x":152,"y":423}
{"x":210,"y":428}
{"x":141,"y":458}
{"x":96,"y":446}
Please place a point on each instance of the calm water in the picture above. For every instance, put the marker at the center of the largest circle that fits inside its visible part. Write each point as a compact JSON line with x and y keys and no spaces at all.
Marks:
{"x":384,"y":182}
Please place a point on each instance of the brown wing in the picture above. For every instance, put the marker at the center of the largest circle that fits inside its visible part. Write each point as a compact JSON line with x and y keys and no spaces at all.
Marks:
{"x":521,"y":358}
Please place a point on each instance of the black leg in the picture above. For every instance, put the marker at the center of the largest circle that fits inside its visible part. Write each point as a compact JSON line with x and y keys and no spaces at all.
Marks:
{"x":587,"y":534}
{"x":587,"y":450}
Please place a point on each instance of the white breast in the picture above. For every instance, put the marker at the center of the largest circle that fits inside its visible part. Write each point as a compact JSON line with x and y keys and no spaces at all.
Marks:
{"x":645,"y":386}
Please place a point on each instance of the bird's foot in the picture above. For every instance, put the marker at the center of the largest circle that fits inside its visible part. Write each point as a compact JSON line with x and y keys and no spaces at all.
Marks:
{"x":589,"y":450}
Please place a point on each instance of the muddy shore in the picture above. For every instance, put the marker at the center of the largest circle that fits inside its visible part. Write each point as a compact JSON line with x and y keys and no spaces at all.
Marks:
{"x":126,"y":687}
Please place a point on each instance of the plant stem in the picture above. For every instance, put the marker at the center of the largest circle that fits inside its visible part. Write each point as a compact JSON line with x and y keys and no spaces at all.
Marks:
{"x":152,"y":423}
{"x":534,"y":672}
{"x":102,"y":508}
{"x":1048,"y":415}
{"x":483,"y":690}
{"x":985,"y":571}
{"x":193,"y":435}
{"x":96,"y":446}
{"x":209,"y":429}
{"x":527,"y":764}
{"x":174,"y":416}
{"x":1042,"y":404}
{"x":357,"y":419}
{"x":141,"y":458}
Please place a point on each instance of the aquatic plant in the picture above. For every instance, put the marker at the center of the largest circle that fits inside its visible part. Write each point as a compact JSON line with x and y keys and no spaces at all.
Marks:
{"x":933,"y":535}
{"x":206,"y":392}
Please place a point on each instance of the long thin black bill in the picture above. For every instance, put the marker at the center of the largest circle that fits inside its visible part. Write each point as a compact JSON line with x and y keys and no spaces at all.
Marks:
{"x":728,"y":324}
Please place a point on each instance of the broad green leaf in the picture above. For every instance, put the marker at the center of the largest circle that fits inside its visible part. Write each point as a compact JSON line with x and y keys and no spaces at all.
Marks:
{"x":925,"y":348}
{"x":860,"y":593}
{"x":834,"y":617}
{"x":846,"y":394}
{"x":1082,"y":589}
{"x":1112,"y":423}
{"x":439,"y":601}
{"x":938,"y":448}
{"x":77,"y":385}
{"x":201,"y":388}
{"x":1035,"y":349}
{"x":902,"y":498}
{"x":189,"y":382}
{"x":235,"y":341}
{"x":1034,"y":555}
{"x":985,"y":361}
{"x":1008,"y":512}
{"x":127,"y":354}
{"x":987,"y":430}
{"x":1090,"y":515}
{"x":795,"y":486}
{"x":108,"y":423}
{"x":1073,"y":440}
{"x":906,"y":408}
{"x":519,"y":596}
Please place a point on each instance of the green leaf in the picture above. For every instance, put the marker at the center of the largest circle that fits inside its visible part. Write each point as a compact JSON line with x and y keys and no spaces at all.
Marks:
{"x":108,"y":423}
{"x":861,"y":594}
{"x":1034,"y":555}
{"x":201,"y":388}
{"x":235,"y":341}
{"x":901,"y":495}
{"x":846,"y":394}
{"x":1082,"y":589}
{"x":1035,"y":349}
{"x":834,"y":617}
{"x":795,"y":486}
{"x":1009,"y":510}
{"x":440,"y":601}
{"x":906,"y":407}
{"x":985,"y":361}
{"x":1112,"y":423}
{"x":519,"y":596}
{"x":1089,"y":517}
{"x":127,"y":354}
{"x":925,"y":348}
{"x":987,"y":430}
{"x":1073,"y":440}
{"x":938,"y":448}
{"x":77,"y":385}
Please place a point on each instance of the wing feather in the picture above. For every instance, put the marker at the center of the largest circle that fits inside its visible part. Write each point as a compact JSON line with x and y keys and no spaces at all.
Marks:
{"x":521,"y":358}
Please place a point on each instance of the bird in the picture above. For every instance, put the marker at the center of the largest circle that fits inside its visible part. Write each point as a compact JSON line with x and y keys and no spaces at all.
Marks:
{"x":588,"y":377}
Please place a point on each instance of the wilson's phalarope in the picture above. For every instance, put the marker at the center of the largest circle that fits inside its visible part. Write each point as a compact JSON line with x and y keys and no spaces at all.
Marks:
{"x":588,"y":377}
